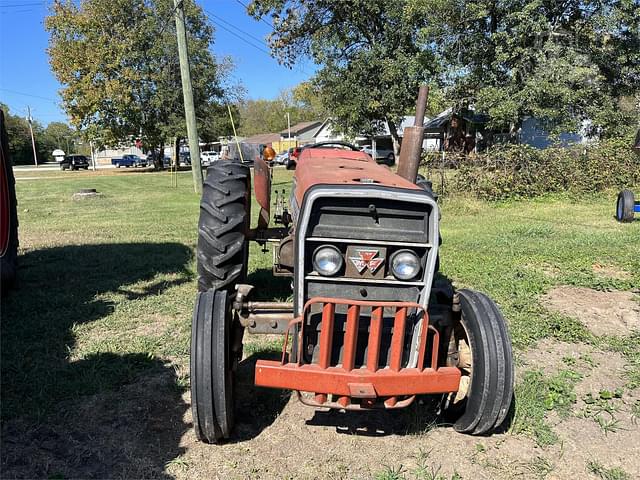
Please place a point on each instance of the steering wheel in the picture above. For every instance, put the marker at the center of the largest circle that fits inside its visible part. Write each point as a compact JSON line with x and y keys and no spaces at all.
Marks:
{"x":348,"y":146}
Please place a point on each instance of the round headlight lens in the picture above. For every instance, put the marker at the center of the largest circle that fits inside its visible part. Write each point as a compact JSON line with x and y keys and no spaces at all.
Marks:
{"x":327,"y":260}
{"x":405,"y":265}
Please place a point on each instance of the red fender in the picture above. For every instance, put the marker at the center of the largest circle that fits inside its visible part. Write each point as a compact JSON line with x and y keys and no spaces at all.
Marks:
{"x":262,"y":189}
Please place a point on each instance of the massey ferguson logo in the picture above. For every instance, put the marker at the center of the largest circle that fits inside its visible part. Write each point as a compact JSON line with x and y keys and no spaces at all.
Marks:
{"x":367,"y":258}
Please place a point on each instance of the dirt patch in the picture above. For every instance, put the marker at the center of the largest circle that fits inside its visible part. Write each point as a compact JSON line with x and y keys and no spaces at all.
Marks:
{"x":604,"y":313}
{"x":599,"y":370}
{"x":610,"y":271}
{"x":144,"y":430}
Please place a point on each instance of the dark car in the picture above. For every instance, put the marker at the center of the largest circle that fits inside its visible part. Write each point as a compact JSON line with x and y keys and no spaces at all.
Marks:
{"x":74,"y":162}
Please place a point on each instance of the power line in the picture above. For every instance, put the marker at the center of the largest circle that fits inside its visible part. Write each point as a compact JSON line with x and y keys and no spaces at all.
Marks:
{"x":234,"y":27}
{"x":19,"y":5}
{"x":29,"y":95}
{"x":237,"y":35}
{"x":13,"y":12}
{"x":261,"y":18}
{"x":260,"y":40}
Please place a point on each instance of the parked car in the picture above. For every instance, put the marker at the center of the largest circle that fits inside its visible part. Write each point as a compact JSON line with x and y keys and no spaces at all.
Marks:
{"x":281,"y":159}
{"x":74,"y":162}
{"x":383,"y":155}
{"x":129,"y":161}
{"x":207,"y":158}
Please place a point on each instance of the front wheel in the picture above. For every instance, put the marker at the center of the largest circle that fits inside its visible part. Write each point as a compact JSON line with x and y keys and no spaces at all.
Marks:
{"x":484,"y":356}
{"x":625,"y":206}
{"x":391,"y":159}
{"x":211,"y":366}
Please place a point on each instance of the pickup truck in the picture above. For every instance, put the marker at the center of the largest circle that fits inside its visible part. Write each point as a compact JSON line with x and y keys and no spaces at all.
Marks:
{"x":129,"y":161}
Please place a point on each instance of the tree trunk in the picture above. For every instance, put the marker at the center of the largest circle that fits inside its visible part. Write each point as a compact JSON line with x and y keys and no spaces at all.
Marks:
{"x":395,"y":138}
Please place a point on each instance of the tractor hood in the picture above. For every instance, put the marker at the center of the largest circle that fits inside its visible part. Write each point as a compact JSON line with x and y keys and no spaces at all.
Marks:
{"x":333,"y":166}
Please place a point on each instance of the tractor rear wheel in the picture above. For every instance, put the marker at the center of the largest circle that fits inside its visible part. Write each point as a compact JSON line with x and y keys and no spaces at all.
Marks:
{"x":211,"y":366}
{"x":223,"y":248}
{"x":485,"y":359}
{"x":625,"y":206}
{"x":8,"y":214}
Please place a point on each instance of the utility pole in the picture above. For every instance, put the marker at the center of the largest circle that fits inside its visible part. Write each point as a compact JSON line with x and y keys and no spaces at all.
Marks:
{"x":33,"y":141}
{"x":289,"y":128}
{"x":93,"y":157}
{"x":187,"y":91}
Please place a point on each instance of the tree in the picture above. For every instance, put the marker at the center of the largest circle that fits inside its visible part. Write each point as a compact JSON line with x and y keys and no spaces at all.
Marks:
{"x":118,"y":63}
{"x":270,"y":116}
{"x":563,"y":62}
{"x":59,"y":135}
{"x":371,"y":61}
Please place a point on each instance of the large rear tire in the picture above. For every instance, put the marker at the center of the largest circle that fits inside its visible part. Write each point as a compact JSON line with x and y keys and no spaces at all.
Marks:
{"x":8,"y":215}
{"x":625,"y":206}
{"x":224,"y":223}
{"x":212,"y":367}
{"x":486,"y":363}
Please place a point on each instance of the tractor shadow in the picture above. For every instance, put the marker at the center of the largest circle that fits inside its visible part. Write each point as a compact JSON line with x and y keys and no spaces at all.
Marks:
{"x":417,"y":418}
{"x":256,"y":407}
{"x":108,"y":412}
{"x":269,"y":287}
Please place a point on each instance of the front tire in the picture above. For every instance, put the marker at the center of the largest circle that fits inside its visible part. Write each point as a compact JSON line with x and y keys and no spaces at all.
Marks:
{"x":211,"y":366}
{"x":223,"y":226}
{"x":486,"y":363}
{"x":625,"y":206}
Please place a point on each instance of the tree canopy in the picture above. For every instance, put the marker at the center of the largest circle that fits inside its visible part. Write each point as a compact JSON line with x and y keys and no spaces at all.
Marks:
{"x":563,"y":62}
{"x":262,"y":116}
{"x":371,"y":62}
{"x":118,"y":63}
{"x":55,"y":135}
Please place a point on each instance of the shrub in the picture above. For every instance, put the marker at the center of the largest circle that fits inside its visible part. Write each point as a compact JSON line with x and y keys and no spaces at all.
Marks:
{"x":512,"y":171}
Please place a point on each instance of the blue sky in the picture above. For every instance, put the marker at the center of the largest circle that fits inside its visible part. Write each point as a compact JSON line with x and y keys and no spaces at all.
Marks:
{"x":26,"y":79}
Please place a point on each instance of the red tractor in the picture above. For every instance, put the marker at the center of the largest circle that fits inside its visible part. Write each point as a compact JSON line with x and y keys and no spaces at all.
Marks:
{"x":8,"y":213}
{"x":370,"y":326}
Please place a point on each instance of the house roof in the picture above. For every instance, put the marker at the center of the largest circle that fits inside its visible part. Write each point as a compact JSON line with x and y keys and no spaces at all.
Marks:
{"x":301,"y":127}
{"x":262,"y":139}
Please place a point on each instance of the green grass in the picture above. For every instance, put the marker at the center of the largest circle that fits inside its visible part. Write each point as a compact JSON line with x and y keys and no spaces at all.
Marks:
{"x":604,"y":473}
{"x":537,"y":394}
{"x":107,"y":284}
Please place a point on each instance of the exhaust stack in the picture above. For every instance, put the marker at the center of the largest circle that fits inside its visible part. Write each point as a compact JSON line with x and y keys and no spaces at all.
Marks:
{"x":411,"y":149}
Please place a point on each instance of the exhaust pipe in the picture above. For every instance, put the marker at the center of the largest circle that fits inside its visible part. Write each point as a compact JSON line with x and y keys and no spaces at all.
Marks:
{"x":411,"y":149}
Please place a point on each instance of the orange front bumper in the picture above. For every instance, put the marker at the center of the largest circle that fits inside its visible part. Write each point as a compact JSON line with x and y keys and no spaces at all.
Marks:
{"x":368,"y":383}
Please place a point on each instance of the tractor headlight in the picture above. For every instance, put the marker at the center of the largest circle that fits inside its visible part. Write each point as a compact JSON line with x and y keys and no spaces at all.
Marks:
{"x":327,"y":260}
{"x":405,"y":265}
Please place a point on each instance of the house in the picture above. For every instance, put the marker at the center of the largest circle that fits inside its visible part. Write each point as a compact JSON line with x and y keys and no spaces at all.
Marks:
{"x":532,"y":132}
{"x":466,"y":130}
{"x":326,"y":133}
{"x":302,"y":132}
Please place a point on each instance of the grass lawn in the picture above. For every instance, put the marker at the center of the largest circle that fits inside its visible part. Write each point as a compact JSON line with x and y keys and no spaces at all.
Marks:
{"x":107,"y":284}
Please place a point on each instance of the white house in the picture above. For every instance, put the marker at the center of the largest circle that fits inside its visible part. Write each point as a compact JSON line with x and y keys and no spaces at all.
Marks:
{"x":326,"y":133}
